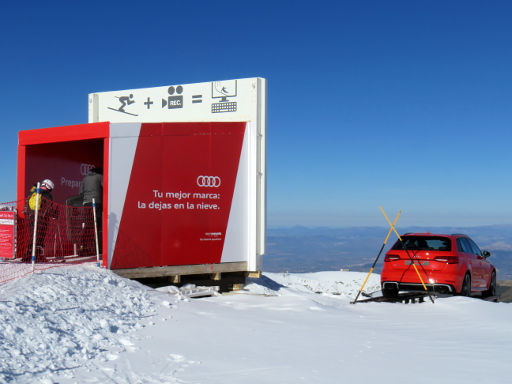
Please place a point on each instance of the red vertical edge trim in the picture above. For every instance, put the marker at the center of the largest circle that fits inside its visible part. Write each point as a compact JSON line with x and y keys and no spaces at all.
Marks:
{"x":106,"y":159}
{"x":21,"y":175}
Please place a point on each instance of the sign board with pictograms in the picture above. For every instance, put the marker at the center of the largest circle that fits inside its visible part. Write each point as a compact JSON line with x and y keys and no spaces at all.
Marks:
{"x":228,"y":100}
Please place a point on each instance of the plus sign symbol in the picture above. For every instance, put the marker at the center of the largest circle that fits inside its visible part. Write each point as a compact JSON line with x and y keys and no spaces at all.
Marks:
{"x":148,"y":103}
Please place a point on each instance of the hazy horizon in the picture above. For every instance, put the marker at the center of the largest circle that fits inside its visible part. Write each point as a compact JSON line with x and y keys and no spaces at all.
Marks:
{"x":305,"y":249}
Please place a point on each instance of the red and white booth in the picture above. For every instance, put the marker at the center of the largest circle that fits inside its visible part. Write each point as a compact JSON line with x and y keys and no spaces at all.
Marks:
{"x":187,"y":194}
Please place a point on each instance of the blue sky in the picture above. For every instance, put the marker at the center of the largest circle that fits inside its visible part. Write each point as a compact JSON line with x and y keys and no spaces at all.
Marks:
{"x":404,"y":104}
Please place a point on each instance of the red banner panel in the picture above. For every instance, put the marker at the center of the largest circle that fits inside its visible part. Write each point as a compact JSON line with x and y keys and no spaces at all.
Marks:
{"x":179,"y":194}
{"x":7,"y":235}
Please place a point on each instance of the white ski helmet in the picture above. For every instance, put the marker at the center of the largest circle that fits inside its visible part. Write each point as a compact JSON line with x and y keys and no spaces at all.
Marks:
{"x":48,"y":184}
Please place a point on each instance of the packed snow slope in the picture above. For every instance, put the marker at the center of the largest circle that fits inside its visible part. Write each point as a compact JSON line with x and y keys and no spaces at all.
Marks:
{"x":83,"y":324}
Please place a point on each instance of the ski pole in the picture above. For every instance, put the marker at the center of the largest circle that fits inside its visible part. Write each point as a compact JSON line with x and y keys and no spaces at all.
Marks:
{"x":96,"y":233}
{"x":408,"y":255}
{"x":36,"y":211}
{"x":375,"y":262}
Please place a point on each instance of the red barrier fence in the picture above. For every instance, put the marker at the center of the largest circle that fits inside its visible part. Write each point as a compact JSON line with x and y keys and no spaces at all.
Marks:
{"x":64,"y":234}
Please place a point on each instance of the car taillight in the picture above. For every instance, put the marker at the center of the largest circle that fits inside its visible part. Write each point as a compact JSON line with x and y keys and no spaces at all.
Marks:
{"x":391,"y":258}
{"x":447,"y":259}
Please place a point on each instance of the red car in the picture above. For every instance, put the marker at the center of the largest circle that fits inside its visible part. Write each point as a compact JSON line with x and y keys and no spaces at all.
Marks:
{"x":446,"y":263}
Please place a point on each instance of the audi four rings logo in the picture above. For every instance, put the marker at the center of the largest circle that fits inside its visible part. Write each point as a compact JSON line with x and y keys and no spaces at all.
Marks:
{"x":85,"y":168}
{"x":208,"y":181}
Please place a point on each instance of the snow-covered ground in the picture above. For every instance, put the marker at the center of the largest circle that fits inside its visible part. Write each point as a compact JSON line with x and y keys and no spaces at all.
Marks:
{"x":83,"y":324}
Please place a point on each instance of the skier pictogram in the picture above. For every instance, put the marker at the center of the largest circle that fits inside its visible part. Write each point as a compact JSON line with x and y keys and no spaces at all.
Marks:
{"x":124,"y":100}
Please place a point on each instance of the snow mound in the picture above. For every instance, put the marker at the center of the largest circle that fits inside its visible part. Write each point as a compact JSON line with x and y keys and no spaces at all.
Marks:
{"x":83,"y":324}
{"x":343,"y":284}
{"x":58,"y":319}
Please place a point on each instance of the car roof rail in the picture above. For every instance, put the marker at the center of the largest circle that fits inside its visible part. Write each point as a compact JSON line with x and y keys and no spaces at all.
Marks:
{"x":459,"y":234}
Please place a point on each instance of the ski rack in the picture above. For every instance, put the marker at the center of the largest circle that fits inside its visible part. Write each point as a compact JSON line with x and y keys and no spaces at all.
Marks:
{"x":415,"y":297}
{"x":406,"y":298}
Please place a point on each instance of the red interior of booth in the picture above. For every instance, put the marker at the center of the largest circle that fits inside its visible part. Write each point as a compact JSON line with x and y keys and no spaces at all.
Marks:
{"x":63,"y":155}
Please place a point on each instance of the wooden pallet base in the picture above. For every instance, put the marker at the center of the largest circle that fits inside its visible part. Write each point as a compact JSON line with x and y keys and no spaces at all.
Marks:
{"x":228,"y":276}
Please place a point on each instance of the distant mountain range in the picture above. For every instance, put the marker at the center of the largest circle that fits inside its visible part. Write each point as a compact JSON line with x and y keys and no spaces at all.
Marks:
{"x":303,"y":249}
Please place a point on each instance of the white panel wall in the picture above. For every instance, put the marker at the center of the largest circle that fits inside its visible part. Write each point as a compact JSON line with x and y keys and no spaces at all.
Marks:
{"x":123,"y":144}
{"x":227,"y":100}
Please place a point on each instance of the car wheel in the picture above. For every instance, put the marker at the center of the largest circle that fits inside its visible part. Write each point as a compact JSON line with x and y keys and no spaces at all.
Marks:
{"x":466,"y":286}
{"x":492,"y":286}
{"x":390,"y":293}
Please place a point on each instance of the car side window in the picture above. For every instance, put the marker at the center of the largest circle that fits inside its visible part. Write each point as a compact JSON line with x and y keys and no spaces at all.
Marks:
{"x":476,"y":250}
{"x":466,"y":248}
{"x":460,"y":246}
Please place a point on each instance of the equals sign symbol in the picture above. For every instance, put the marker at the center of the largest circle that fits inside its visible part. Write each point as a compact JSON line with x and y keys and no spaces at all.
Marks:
{"x":197,"y":99}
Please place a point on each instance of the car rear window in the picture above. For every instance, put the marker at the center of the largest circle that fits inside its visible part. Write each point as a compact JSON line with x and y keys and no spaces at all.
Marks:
{"x":424,"y":243}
